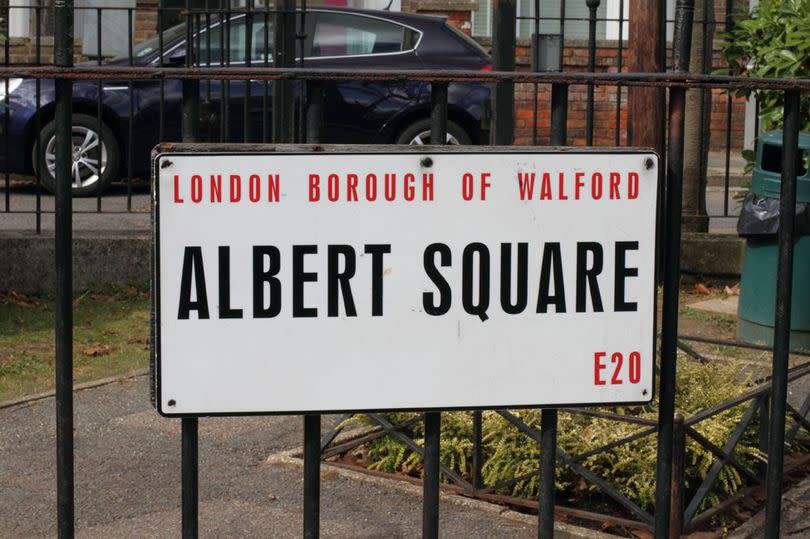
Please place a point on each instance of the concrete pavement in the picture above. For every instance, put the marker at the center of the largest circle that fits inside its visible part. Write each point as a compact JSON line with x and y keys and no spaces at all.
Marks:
{"x":128,"y":479}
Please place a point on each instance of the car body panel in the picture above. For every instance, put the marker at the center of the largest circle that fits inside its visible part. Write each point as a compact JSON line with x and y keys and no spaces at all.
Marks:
{"x":361,"y":112}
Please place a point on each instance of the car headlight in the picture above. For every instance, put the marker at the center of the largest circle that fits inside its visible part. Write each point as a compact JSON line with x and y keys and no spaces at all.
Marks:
{"x":11,"y":85}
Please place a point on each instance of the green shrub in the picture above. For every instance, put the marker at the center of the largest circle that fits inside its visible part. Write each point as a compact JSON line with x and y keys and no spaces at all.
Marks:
{"x":773,"y":43}
{"x":630,"y":468}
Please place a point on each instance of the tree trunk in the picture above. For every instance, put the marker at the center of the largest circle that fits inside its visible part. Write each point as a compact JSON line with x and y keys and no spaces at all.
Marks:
{"x":697,"y":123}
{"x":644,"y":113}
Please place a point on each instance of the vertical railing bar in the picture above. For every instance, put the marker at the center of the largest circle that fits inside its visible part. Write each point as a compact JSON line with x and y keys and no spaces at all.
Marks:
{"x":131,"y":109}
{"x":593,"y":5}
{"x":430,"y":485}
{"x":38,"y":122}
{"x":246,"y":116}
{"x":162,"y":86}
{"x":548,"y":471}
{"x":503,"y":56}
{"x":433,"y":420}
{"x":671,"y":271}
{"x":189,"y":426}
{"x":63,"y":57}
{"x":312,"y":476}
{"x":536,"y":86}
{"x":190,"y":477}
{"x":729,"y":111}
{"x":223,"y":102}
{"x":266,"y":83}
{"x":6,"y":120}
{"x":209,"y":123}
{"x":314,"y":114}
{"x":282,"y":104}
{"x":562,"y":35}
{"x":477,"y":453}
{"x":99,"y":90}
{"x":619,"y":62}
{"x":301,"y":41}
{"x":548,"y":424}
{"x":784,"y":290}
{"x":226,"y":113}
{"x":438,"y":113}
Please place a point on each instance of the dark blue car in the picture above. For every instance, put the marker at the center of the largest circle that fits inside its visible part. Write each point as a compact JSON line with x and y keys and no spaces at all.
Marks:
{"x":360,"y":112}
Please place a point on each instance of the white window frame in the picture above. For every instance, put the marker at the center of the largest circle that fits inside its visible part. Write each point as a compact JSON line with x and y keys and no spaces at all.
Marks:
{"x":19,"y":19}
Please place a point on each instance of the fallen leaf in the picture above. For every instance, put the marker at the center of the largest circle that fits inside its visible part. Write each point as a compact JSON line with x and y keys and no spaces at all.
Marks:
{"x":702,"y":289}
{"x":642,"y":534}
{"x":99,"y":350}
{"x":102,"y":298}
{"x":732,"y":290}
{"x":20,"y":300}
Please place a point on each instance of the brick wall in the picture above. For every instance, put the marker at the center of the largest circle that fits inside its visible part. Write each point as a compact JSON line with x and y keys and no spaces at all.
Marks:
{"x":606,"y":119}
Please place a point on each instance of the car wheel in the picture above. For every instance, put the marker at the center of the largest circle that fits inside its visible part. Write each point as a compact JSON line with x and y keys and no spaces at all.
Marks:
{"x":93,"y":165}
{"x":419,"y":133}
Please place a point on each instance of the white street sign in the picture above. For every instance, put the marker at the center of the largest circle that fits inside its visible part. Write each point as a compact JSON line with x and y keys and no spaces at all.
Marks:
{"x":388,"y":278}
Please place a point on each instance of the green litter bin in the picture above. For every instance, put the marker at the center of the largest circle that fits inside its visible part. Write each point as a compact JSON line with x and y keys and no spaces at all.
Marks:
{"x":759,"y":225}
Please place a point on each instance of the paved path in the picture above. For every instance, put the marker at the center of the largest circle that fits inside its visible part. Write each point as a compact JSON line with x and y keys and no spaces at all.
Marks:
{"x":128,"y":478}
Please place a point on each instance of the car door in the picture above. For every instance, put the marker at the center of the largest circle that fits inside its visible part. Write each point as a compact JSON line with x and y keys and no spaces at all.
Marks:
{"x":355,"y":111}
{"x":223,"y":102}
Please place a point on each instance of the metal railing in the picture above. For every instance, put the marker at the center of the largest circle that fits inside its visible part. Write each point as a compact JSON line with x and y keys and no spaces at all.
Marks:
{"x":24,"y":195}
{"x":670,"y":430}
{"x":686,"y":517}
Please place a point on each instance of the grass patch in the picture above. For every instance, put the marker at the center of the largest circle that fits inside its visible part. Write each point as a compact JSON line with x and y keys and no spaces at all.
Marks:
{"x":110,"y":337}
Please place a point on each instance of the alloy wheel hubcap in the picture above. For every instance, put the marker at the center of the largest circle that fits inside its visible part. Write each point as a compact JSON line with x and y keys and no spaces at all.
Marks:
{"x":85,"y":168}
{"x":424,"y":138}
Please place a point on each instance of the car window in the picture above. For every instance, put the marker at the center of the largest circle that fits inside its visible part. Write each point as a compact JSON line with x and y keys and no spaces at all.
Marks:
{"x":212,"y":43}
{"x":338,"y":34}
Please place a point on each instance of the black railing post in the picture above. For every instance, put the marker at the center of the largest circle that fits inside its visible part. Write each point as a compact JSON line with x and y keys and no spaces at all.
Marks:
{"x":477,"y":453}
{"x":430,"y":485}
{"x":190,"y":477}
{"x":503,"y":59}
{"x":438,"y":113}
{"x":548,"y":472}
{"x":284,"y":56}
{"x":314,"y":112}
{"x":433,"y":420}
{"x":312,"y":476}
{"x":593,"y":5}
{"x":548,"y":425}
{"x":781,"y":337}
{"x":671,"y":271}
{"x":63,"y":57}
{"x":189,"y":450}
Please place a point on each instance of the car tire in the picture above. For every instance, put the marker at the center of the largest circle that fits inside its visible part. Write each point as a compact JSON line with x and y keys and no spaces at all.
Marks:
{"x":419,"y":133}
{"x":85,"y":156}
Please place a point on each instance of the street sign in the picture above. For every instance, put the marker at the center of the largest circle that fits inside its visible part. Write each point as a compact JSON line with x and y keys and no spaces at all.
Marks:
{"x":335,"y":278}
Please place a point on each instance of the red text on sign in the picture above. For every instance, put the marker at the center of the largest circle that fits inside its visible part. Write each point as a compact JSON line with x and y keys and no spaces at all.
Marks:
{"x":618,"y":369}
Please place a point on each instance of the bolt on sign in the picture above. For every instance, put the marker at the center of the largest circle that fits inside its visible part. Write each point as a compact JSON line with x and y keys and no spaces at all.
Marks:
{"x":335,"y":278}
